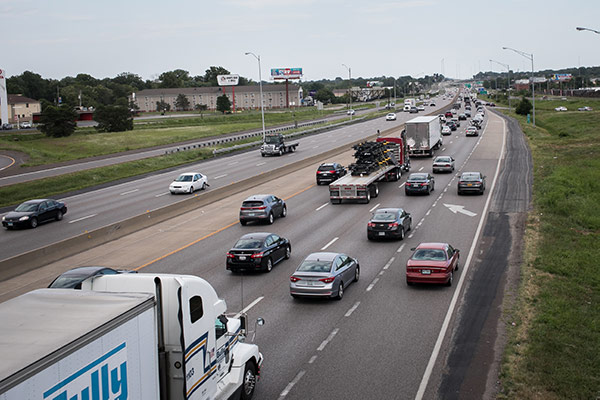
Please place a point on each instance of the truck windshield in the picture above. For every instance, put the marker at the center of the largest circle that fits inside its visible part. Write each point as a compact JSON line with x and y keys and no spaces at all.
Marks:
{"x":272,"y":139}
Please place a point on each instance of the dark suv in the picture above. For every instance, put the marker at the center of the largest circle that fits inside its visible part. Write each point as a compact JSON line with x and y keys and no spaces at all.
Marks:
{"x":262,"y":207}
{"x":329,"y":172}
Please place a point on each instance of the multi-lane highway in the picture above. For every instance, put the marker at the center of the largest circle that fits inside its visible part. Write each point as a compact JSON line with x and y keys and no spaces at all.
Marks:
{"x":383,"y":339}
{"x":98,"y":208}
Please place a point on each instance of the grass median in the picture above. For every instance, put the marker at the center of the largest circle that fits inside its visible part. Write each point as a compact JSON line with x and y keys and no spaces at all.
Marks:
{"x":554,"y":346}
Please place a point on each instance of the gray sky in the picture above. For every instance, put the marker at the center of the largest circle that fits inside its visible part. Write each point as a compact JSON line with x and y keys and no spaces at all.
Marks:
{"x":104,"y":38}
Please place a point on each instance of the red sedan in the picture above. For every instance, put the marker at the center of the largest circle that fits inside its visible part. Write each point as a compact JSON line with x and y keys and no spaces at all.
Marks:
{"x":432,"y":263}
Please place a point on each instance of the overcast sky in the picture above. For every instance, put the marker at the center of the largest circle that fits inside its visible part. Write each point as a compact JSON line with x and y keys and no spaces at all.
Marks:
{"x":61,"y":38}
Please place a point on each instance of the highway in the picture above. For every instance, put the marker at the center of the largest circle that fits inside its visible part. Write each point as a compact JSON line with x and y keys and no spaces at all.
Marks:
{"x":98,"y":208}
{"x":383,"y":339}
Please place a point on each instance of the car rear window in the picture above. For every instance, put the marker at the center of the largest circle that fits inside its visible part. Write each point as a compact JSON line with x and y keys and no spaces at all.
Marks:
{"x":248,"y":244}
{"x":442,"y":159}
{"x":419,"y":177}
{"x":253,"y":203}
{"x":429,"y":255}
{"x":469,"y":178}
{"x":384,"y":216}
{"x":326,"y":167}
{"x":314,"y":266}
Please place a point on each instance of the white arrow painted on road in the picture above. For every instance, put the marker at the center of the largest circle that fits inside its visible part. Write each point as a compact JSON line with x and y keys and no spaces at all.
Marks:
{"x":460,"y":209}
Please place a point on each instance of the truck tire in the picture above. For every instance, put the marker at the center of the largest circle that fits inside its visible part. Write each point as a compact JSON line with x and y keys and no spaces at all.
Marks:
{"x":249,"y":383}
{"x":368,"y":199}
{"x":292,"y":149}
{"x":280,"y":152}
{"x":374,"y":189}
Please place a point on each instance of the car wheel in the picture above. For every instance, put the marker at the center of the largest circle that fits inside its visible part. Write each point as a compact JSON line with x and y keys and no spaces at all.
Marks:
{"x":409,"y":283}
{"x":203,"y":186}
{"x":191,"y":189}
{"x":33,"y":223}
{"x":459,"y":192}
{"x":481,"y":191}
{"x":340,"y":291}
{"x":249,"y":381}
{"x":271,"y":218}
{"x":59,"y":215}
{"x":288,"y":252}
{"x":243,"y":222}
{"x":369,"y":237}
{"x":401,"y":237}
{"x":449,"y":283}
{"x":409,"y":226}
{"x":283,"y":212}
{"x":356,"y":274}
{"x":456,"y":268}
{"x":269,"y":266}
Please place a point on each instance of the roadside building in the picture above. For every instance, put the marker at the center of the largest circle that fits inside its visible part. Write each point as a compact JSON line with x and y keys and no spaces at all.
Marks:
{"x":21,"y":108}
{"x":246,"y":97}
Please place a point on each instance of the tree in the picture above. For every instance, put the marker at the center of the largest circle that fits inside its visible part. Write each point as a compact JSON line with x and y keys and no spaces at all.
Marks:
{"x":201,"y":107}
{"x":58,"y":121}
{"x":182,"y":102}
{"x":524,"y":107}
{"x":223,"y":103}
{"x":174,"y":79}
{"x":325,"y":96}
{"x":162,"y":106}
{"x":113,"y":119}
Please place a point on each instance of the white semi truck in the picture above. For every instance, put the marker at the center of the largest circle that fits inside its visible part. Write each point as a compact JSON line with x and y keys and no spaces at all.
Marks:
{"x":423,"y":135}
{"x":127,"y":336}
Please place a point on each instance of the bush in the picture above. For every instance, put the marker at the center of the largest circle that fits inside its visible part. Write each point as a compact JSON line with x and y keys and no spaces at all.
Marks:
{"x":58,"y":121}
{"x":524,"y":107}
{"x":113,"y":119}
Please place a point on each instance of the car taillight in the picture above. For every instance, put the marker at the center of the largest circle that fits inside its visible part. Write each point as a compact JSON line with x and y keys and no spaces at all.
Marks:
{"x":393,"y":224}
{"x":447,"y":165}
{"x":424,"y":184}
{"x":331,"y":172}
{"x":257,"y":255}
{"x":229,"y":255}
{"x":294,"y":279}
{"x":371,"y":225}
{"x":245,"y":208}
{"x":260,"y":208}
{"x":327,"y":280}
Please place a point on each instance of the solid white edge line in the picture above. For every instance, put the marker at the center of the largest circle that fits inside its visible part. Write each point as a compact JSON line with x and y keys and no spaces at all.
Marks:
{"x":291,"y":384}
{"x":321,"y":207}
{"x":446,"y":323}
{"x":255,"y":302}
{"x":374,"y":207}
{"x":330,"y":243}
{"x":82,"y":218}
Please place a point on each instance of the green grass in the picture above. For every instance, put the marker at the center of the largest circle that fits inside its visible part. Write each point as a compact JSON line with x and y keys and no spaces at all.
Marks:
{"x":554,"y":351}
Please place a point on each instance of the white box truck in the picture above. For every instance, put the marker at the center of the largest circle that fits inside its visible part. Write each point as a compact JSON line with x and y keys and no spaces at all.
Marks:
{"x":127,"y":336}
{"x":409,"y":103}
{"x":423,"y":135}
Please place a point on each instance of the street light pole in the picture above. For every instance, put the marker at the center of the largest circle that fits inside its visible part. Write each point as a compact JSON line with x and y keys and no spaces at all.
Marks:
{"x":262,"y":109}
{"x":579,"y":28}
{"x":350,"y":89}
{"x":529,"y":56}
{"x":507,"y":77}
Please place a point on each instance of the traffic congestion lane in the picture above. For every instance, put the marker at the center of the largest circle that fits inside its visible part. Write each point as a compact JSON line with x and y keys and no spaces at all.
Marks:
{"x":98,"y":208}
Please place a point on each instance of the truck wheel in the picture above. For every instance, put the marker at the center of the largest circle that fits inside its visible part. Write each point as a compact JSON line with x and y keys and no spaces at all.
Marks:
{"x":292,"y":149}
{"x":368,"y":199}
{"x":249,"y":381}
{"x":262,"y":154}
{"x":374,"y":189}
{"x":280,"y":152}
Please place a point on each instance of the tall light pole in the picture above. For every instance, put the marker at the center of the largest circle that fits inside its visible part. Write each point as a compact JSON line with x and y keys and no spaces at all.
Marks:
{"x":529,"y":56}
{"x":262,"y":109}
{"x":579,"y":28}
{"x":507,"y":77}
{"x":394,"y":93}
{"x":350,"y":88}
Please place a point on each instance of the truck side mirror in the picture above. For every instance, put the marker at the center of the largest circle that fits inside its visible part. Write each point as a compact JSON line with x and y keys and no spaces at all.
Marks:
{"x":260,"y":321}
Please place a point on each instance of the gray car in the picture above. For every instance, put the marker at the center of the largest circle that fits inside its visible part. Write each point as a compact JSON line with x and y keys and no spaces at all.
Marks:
{"x":263,"y":208}
{"x":443,"y":163}
{"x":324,"y":274}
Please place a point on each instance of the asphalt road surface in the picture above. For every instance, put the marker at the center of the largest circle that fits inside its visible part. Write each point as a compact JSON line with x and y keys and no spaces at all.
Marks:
{"x":98,"y":208}
{"x":383,"y":339}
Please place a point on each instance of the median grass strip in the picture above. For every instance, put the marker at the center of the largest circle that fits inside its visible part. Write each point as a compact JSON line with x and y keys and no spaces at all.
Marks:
{"x":554,"y":347}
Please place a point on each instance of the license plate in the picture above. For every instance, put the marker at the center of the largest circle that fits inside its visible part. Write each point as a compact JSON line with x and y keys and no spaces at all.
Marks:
{"x":381,"y":233}
{"x":469,"y":184}
{"x":426,"y":272}
{"x":251,"y":214}
{"x":10,"y":224}
{"x":311,"y":283}
{"x":415,"y":185}
{"x":242,"y":258}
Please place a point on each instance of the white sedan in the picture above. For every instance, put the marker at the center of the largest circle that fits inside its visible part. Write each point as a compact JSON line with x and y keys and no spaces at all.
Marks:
{"x":561,"y":108}
{"x":390,"y":117}
{"x":188,"y":182}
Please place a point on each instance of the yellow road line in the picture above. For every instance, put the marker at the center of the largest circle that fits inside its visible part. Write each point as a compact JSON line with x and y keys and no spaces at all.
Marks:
{"x":11,"y":164}
{"x":205,"y":236}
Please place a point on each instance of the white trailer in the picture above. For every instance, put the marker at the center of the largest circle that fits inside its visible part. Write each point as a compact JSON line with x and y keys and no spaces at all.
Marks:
{"x":129,"y":336}
{"x":423,"y":135}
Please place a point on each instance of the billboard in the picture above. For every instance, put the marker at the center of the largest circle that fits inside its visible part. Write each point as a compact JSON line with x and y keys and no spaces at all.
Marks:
{"x":228,"y":80}
{"x":286,"y":73}
{"x":561,"y":77}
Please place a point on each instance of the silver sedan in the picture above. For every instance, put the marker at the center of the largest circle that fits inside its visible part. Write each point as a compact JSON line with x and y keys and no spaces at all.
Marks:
{"x":443,"y":163}
{"x":324,"y":274}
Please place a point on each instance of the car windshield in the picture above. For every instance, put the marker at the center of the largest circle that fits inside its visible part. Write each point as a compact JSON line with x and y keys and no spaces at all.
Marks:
{"x":248,"y":244}
{"x":470,"y":177}
{"x":429,"y":255}
{"x":184,"y":178}
{"x":27,"y":207}
{"x":384,"y":216}
{"x":68,"y":281}
{"x":271,"y":139}
{"x":417,"y":177}
{"x":314,"y":266}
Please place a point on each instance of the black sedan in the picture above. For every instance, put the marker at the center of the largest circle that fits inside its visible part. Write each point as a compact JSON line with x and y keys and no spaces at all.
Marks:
{"x":73,"y":278}
{"x":258,"y":251}
{"x":473,"y":182}
{"x":33,"y":212}
{"x":389,"y":223}
{"x":419,"y":182}
{"x":329,"y":172}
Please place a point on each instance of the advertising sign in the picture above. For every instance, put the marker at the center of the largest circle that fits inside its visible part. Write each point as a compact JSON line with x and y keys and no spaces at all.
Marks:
{"x":286,"y":73}
{"x":561,"y":77}
{"x":228,"y":80}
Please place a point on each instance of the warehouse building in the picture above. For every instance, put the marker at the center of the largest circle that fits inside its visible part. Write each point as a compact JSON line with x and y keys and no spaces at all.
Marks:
{"x":243,"y":97}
